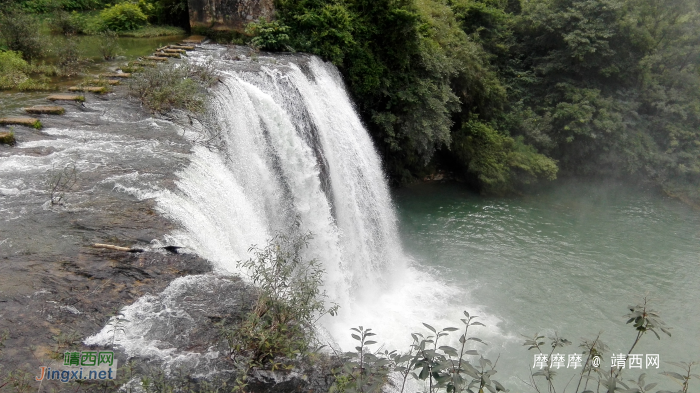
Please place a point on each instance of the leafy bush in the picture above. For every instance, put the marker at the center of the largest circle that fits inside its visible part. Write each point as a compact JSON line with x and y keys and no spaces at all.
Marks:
{"x":269,"y":35}
{"x":109,"y":46}
{"x":20,"y":33}
{"x":69,"y":60}
{"x":67,"y":23}
{"x":123,"y":17}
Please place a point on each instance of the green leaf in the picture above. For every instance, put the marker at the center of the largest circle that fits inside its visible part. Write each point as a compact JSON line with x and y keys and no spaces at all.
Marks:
{"x":432,"y":329}
{"x":674,"y":375}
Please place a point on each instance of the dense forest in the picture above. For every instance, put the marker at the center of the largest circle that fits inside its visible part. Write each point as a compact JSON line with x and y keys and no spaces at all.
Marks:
{"x":505,"y":93}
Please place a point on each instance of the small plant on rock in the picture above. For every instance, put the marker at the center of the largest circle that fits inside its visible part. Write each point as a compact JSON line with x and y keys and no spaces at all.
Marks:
{"x":290,"y":301}
{"x":61,"y":182}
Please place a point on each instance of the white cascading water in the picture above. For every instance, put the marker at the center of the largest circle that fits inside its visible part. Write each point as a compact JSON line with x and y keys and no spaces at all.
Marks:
{"x":295,"y":151}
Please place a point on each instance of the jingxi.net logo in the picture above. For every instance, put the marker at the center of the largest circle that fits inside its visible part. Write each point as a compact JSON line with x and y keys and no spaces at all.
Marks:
{"x":81,"y":366}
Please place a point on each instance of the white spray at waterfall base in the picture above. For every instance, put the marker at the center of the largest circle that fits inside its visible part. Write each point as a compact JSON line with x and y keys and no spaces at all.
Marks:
{"x":295,"y":158}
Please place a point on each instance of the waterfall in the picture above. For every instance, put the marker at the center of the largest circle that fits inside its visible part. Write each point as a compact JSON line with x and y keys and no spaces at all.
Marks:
{"x":293,"y":157}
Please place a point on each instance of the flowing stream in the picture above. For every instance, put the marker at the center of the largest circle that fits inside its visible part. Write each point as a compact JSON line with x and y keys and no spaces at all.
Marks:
{"x":292,"y":156}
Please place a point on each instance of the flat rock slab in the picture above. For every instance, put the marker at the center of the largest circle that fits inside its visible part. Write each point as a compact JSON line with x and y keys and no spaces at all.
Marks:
{"x":98,"y":82}
{"x":156,"y":58}
{"x":89,"y":89}
{"x":165,"y":54}
{"x":46,"y":109}
{"x":183,"y":47}
{"x":117,"y":75}
{"x":143,"y":63}
{"x":169,"y":50}
{"x":66,"y":97}
{"x":194,"y":39}
{"x":21,"y":121}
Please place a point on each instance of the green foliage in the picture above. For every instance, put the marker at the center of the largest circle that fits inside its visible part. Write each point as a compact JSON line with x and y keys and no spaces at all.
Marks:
{"x":451,"y":369}
{"x":442,"y":368}
{"x":268,"y":35}
{"x":615,"y":83}
{"x":499,"y":162}
{"x":290,"y":301}
{"x":19,"y":32}
{"x":15,"y":73}
{"x":173,"y":86}
{"x":124,"y":17}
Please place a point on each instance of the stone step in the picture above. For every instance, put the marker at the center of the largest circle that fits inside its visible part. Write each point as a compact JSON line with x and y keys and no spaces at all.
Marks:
{"x":194,"y":39}
{"x":143,"y":63}
{"x":98,"y":82}
{"x":66,"y":97}
{"x":166,"y":54}
{"x":89,"y":89}
{"x":21,"y":121}
{"x":156,"y":58}
{"x":7,"y":138}
{"x":174,"y":51}
{"x":184,"y":47}
{"x":117,"y":75}
{"x":45,"y":109}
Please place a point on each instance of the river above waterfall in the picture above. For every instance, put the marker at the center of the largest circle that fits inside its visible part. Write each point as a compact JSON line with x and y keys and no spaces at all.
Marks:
{"x":568,"y":259}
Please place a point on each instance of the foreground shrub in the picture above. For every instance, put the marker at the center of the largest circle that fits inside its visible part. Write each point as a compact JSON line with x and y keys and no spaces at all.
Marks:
{"x":123,"y":17}
{"x":173,"y":86}
{"x":20,"y":33}
{"x":289,"y":303}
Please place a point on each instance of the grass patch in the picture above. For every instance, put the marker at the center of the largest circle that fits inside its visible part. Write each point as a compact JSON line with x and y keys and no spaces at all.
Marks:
{"x":173,"y":86}
{"x":153,"y":31}
{"x":7,"y":138}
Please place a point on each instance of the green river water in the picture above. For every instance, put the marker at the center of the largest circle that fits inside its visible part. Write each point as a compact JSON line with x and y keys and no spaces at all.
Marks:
{"x":567,"y":260}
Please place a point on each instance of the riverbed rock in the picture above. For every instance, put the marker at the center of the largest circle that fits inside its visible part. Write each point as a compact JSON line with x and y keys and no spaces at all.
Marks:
{"x":194,"y":39}
{"x":45,"y":109}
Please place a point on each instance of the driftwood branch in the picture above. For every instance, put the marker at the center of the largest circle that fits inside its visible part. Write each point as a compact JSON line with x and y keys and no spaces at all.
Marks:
{"x":117,"y":248}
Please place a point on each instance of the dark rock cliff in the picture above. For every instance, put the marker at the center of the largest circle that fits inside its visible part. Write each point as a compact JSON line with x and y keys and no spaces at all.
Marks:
{"x":228,"y":14}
